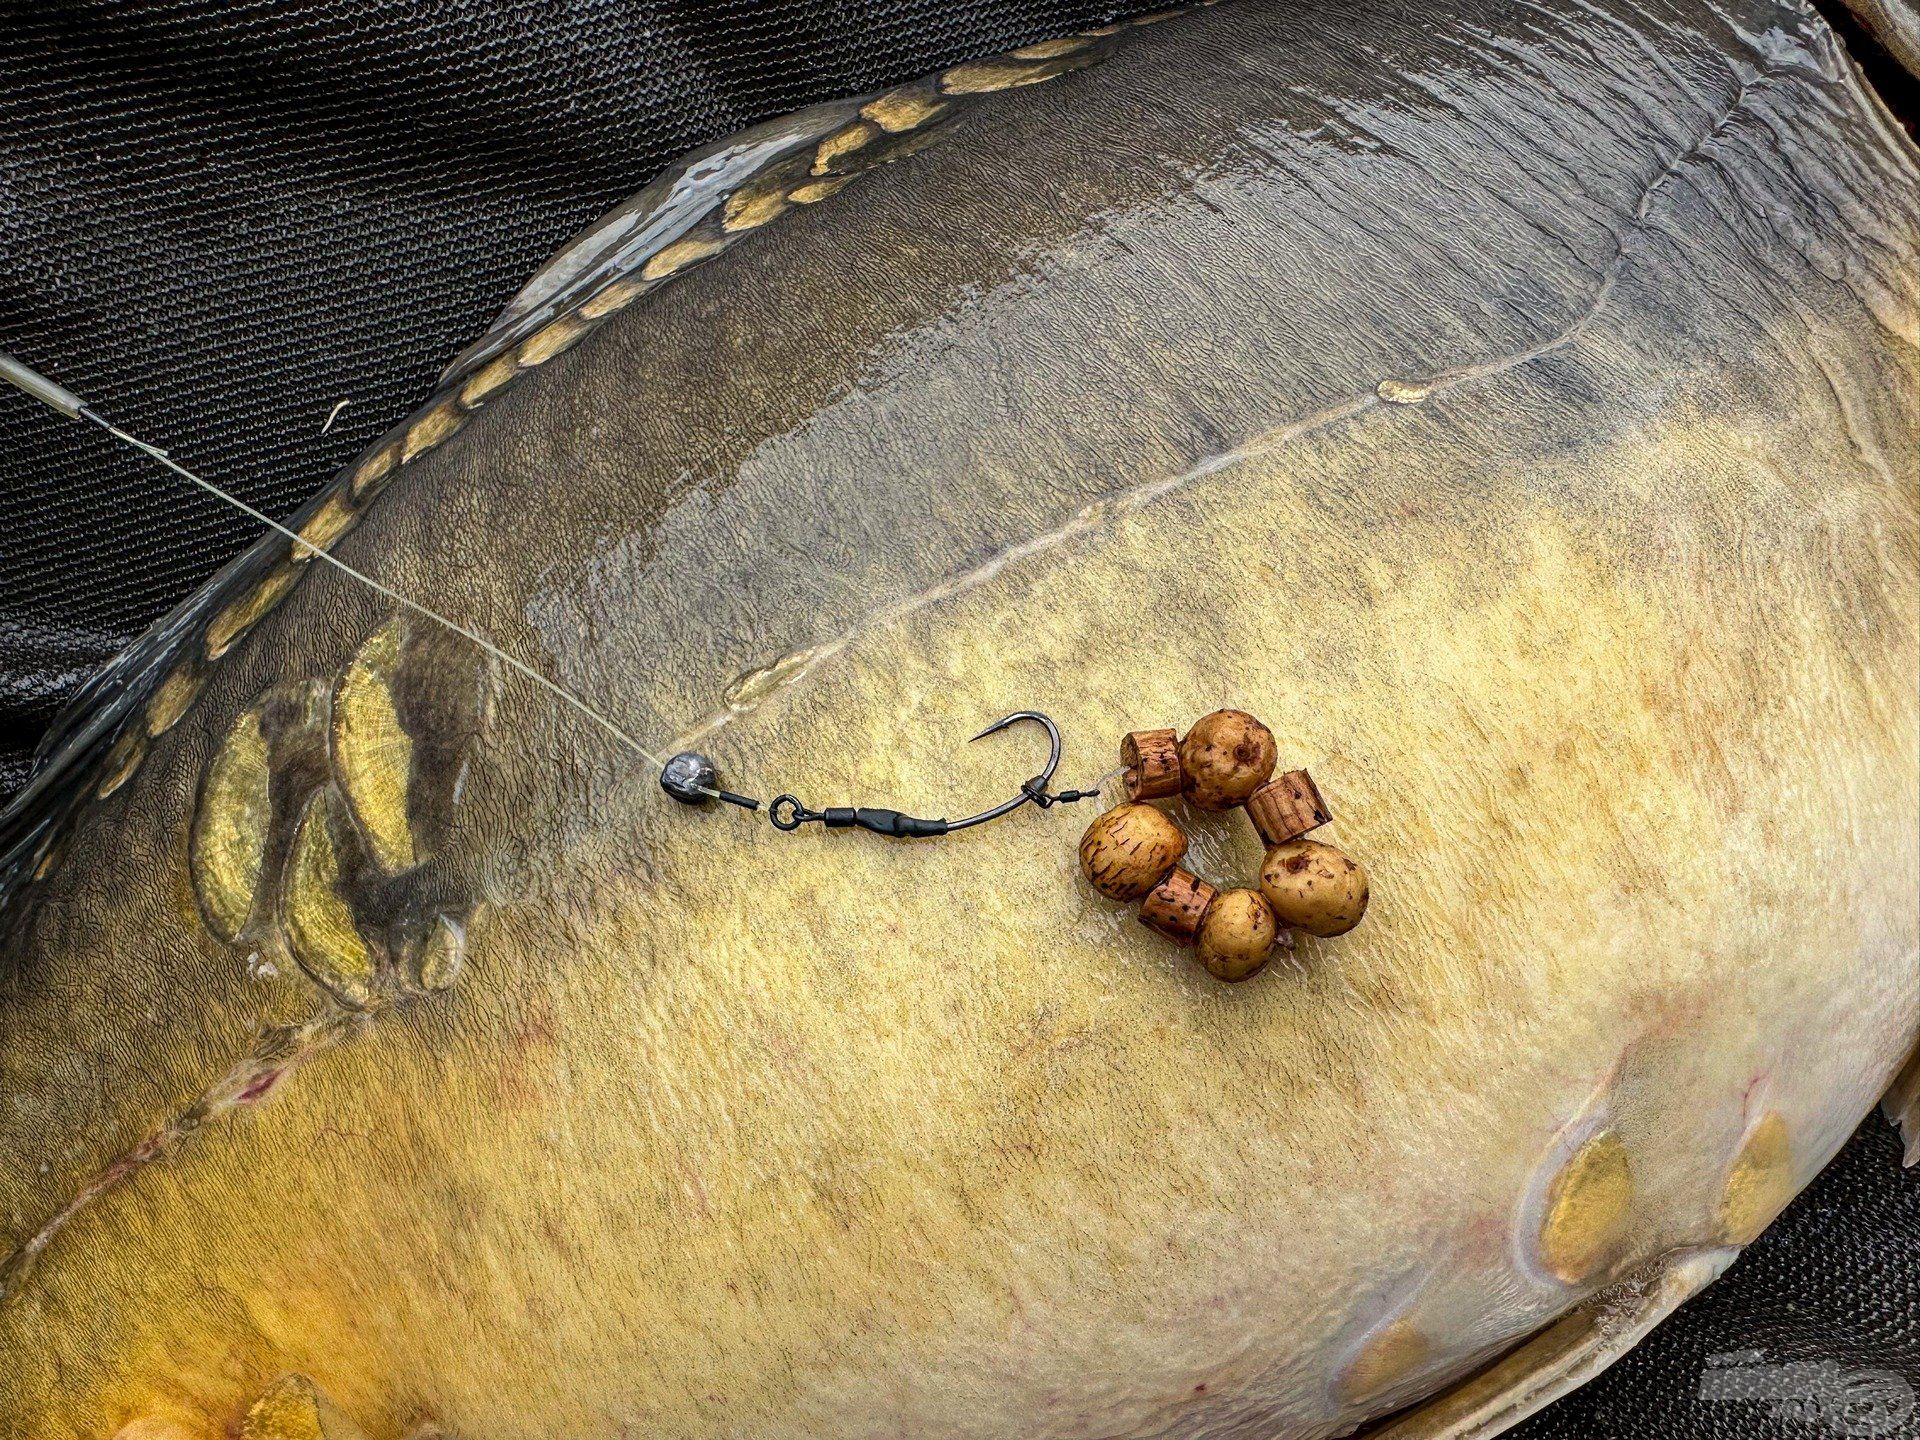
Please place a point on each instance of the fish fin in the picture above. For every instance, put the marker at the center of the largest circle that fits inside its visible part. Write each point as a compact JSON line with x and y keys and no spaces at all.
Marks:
{"x":706,"y":199}
{"x":1902,"y":1106}
{"x":292,"y":1408}
{"x":620,"y":243}
{"x":1563,"y":1356}
{"x":109,"y":710}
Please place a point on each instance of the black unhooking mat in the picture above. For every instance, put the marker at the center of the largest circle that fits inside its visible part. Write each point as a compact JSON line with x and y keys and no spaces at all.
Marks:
{"x":221,"y":219}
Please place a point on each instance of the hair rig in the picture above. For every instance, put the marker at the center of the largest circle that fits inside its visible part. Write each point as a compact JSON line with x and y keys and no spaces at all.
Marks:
{"x":693,"y":779}
{"x":1226,"y":760}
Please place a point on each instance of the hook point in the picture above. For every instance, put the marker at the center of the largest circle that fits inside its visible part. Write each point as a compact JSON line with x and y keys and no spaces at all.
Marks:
{"x":1007,"y":722}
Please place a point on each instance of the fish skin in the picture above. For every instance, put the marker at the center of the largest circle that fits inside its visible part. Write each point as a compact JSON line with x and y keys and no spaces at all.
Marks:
{"x":1604,"y":652}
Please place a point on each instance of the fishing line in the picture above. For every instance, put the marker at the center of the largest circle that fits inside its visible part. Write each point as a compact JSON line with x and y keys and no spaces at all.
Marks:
{"x":414,"y":605}
{"x":67,"y":403}
{"x":688,"y":777}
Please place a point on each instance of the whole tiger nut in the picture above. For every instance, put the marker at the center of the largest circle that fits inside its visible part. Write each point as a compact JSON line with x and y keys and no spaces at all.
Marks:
{"x":1128,"y":850}
{"x":1225,"y":757}
{"x":1238,"y":934}
{"x":1314,"y":887}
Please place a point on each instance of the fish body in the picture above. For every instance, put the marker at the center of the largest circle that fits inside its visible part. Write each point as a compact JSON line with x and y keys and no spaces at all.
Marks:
{"x":1517,"y":411}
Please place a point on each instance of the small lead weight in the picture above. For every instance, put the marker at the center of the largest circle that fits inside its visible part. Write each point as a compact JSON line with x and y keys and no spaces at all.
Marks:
{"x":1177,"y":906}
{"x":689,"y":777}
{"x":1152,"y":758}
{"x":692,"y":779}
{"x":1287,"y":807}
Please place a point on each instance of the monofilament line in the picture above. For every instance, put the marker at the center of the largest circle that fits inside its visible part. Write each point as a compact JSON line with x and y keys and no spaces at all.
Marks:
{"x":317,"y":553}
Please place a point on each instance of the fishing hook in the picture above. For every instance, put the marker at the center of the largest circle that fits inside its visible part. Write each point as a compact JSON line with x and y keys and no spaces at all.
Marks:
{"x":691,"y":778}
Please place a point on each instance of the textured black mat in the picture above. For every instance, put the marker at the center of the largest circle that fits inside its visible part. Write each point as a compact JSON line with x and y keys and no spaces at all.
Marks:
{"x":219,"y":219}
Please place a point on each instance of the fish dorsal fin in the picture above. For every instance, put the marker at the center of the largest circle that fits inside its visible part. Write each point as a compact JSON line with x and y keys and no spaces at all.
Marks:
{"x":699,"y":205}
{"x":621,"y":242}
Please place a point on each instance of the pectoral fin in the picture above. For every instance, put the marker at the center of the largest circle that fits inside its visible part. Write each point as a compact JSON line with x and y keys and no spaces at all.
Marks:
{"x":1562,"y":1357}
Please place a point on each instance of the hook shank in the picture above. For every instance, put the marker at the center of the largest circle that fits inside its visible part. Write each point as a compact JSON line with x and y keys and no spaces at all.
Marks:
{"x":787,"y":813}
